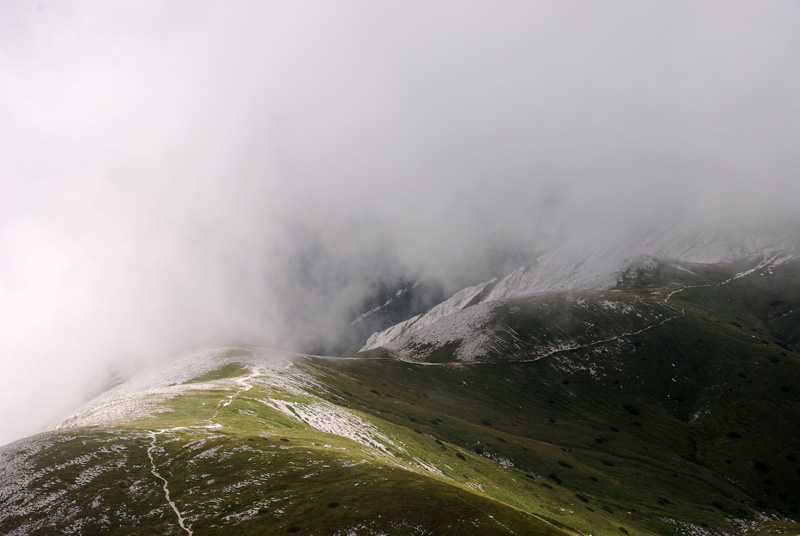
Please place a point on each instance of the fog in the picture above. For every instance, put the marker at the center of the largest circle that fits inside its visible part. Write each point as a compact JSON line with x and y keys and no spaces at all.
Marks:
{"x":184,"y":174}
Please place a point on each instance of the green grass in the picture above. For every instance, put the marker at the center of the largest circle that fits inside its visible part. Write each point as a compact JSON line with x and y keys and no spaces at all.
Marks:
{"x":231,"y":370}
{"x":694,"y":421}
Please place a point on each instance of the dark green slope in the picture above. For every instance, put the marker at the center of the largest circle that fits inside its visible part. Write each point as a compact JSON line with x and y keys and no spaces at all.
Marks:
{"x":240,"y":485}
{"x":695,"y":419}
{"x":236,"y":463}
{"x":666,"y":406}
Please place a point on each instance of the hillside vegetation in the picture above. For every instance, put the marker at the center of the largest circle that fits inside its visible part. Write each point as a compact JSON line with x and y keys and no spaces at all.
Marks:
{"x":667,"y":405}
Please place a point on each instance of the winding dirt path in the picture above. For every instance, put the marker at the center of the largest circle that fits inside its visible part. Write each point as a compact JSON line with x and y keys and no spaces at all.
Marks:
{"x":225,"y":402}
{"x":245,"y":386}
{"x":165,"y":484}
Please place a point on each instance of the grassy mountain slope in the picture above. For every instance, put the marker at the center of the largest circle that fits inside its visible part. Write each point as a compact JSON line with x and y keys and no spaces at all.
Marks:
{"x":666,"y":406}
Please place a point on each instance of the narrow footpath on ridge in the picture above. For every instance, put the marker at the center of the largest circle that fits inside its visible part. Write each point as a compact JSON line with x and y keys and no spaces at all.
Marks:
{"x":165,"y":484}
{"x":226,"y":401}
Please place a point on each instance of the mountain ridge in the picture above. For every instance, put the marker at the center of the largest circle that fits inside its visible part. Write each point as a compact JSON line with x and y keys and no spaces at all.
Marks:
{"x":581,"y":266}
{"x":663,"y":405}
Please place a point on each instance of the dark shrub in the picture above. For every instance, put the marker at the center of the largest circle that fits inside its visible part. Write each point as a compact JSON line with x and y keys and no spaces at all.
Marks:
{"x":630,"y":408}
{"x":760,"y":466}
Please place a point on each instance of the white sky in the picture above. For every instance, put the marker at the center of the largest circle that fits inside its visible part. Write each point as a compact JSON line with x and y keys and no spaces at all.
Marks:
{"x":186,"y":173}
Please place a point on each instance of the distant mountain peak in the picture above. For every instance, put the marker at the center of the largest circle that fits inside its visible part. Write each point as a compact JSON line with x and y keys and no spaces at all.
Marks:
{"x":598,"y":264}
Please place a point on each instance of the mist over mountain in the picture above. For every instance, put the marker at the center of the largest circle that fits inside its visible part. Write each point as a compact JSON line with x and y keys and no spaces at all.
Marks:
{"x":662,"y":405}
{"x":184,"y":175}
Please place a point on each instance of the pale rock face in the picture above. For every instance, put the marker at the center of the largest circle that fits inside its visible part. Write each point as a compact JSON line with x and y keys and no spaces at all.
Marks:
{"x":455,"y":303}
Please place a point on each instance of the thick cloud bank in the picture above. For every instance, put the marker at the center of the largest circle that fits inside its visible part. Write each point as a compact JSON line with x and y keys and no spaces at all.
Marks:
{"x":175,"y":175}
